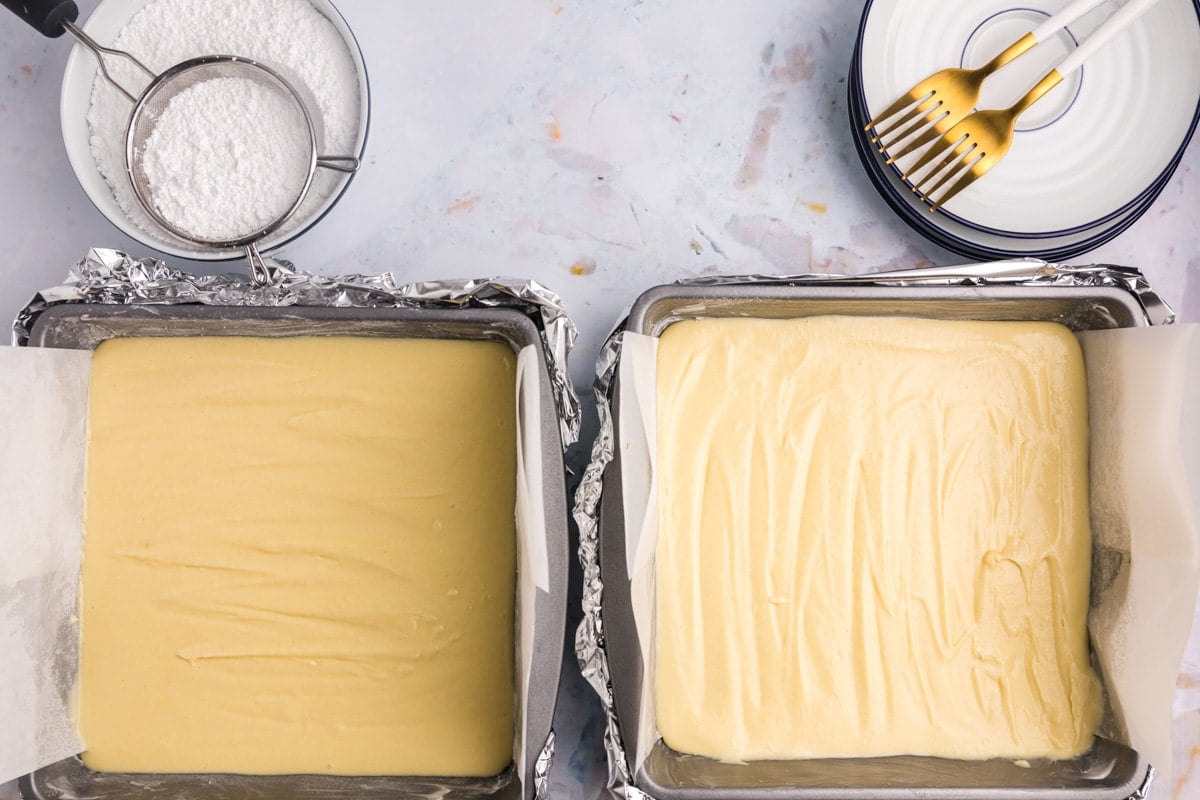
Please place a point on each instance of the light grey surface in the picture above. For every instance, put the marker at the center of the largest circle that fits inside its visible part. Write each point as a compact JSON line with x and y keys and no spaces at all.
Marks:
{"x":600,"y":147}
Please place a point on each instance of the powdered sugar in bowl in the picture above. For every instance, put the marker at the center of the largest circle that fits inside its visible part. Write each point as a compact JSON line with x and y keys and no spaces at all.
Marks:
{"x":306,"y":40}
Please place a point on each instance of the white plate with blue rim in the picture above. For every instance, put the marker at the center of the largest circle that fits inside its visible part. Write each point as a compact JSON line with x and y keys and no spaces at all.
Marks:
{"x":983,"y":245}
{"x":966,"y":240}
{"x":1093,"y":149}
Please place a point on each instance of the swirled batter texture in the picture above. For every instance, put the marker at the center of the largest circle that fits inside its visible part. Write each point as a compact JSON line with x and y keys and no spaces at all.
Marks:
{"x":299,"y":557}
{"x":873,"y":539}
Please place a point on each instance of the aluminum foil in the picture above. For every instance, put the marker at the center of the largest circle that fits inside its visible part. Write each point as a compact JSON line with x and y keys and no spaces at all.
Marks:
{"x":589,"y":638}
{"x":1143,"y":791}
{"x":541,"y":770}
{"x":110,"y":276}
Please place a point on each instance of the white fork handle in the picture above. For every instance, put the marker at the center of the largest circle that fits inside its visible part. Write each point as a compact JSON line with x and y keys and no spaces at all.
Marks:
{"x":1062,"y":19}
{"x":1119,"y":21}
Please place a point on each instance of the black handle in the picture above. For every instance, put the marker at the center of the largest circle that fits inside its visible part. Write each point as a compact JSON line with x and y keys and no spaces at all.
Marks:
{"x":44,"y":16}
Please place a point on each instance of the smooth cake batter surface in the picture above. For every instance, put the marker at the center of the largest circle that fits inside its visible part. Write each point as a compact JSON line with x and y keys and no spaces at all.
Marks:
{"x":873,"y":539}
{"x":299,"y":557}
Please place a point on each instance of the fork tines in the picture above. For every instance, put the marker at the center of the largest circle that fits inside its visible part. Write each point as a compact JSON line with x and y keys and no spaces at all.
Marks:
{"x":952,"y":162}
{"x":914,"y":114}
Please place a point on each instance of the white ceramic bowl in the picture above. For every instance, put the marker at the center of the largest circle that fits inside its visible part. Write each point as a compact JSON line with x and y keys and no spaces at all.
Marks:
{"x":105,"y":23}
{"x":1090,"y":148}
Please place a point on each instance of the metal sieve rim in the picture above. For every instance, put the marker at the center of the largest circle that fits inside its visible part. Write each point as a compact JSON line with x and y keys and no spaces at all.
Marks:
{"x":141,"y":190}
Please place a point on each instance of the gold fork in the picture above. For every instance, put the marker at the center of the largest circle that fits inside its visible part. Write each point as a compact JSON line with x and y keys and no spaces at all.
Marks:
{"x":974,"y":145}
{"x":940,"y":101}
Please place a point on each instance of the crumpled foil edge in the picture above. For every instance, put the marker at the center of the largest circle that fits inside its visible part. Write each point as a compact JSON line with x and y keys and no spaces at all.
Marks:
{"x":589,"y":636}
{"x":114,"y":278}
{"x":541,"y":770}
{"x":111,"y":277}
{"x":1143,"y":791}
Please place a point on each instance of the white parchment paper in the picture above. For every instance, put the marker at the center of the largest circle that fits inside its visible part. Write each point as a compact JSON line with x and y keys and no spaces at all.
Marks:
{"x":1144,"y":407}
{"x":43,"y":419}
{"x":533,"y":565}
{"x":638,"y":374}
{"x":43,"y":408}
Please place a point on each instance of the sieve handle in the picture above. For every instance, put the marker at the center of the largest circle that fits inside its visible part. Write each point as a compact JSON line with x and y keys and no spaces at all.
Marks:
{"x":44,"y":16}
{"x":348,"y":164}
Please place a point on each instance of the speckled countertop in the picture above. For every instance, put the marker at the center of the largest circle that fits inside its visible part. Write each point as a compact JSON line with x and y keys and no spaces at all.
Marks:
{"x":600,"y":148}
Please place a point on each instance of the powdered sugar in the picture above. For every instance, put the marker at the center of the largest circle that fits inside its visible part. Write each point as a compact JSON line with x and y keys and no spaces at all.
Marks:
{"x":290,"y":36}
{"x":227,"y":157}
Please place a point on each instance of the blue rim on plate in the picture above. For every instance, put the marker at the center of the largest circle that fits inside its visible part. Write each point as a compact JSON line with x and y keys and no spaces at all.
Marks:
{"x":962,"y":61}
{"x":889,"y":190}
{"x":857,"y":99}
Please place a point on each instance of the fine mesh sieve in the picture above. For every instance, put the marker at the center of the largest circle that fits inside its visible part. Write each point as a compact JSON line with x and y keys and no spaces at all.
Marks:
{"x":181,"y":77}
{"x":52,"y":18}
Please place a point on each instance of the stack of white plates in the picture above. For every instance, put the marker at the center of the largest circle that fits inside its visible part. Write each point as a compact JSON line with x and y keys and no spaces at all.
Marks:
{"x":1086,"y":161}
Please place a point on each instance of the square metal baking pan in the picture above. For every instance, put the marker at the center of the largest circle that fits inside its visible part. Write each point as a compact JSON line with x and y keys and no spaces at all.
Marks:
{"x":1108,"y":771}
{"x":83,"y":327}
